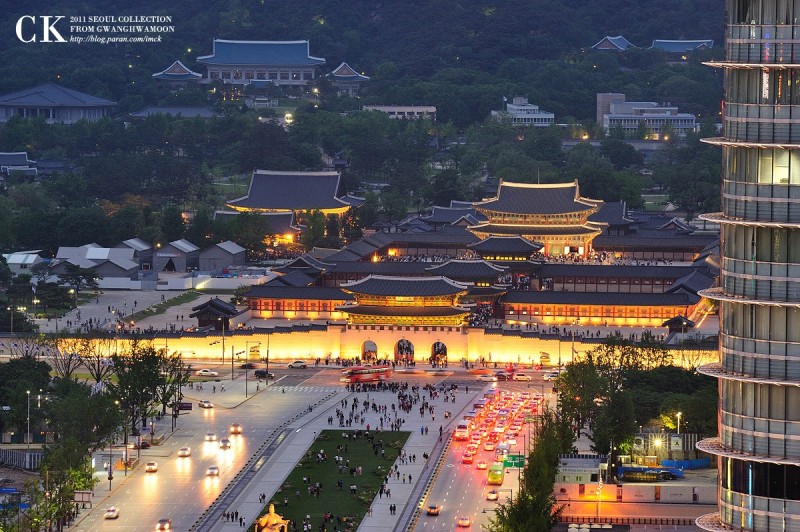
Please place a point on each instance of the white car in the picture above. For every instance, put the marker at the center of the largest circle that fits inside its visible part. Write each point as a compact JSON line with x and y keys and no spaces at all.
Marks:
{"x":183,"y":452}
{"x":492,"y":495}
{"x":298,"y":364}
{"x":212,"y":471}
{"x":553,"y":375}
{"x":205,"y":403}
{"x":205,"y":372}
{"x":151,"y":467}
{"x":211,"y":436}
{"x":521,"y":377}
{"x":111,"y":513}
{"x":487,"y":377}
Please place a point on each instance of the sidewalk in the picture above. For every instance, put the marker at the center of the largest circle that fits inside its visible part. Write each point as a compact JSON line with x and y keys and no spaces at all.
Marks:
{"x":273,"y":472}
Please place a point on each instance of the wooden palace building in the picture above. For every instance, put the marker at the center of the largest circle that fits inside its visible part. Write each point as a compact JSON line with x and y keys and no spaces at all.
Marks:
{"x":554,"y":215}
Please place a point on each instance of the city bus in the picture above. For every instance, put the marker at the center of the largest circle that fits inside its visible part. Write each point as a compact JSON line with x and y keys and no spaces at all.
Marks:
{"x":495,"y":474}
{"x":462,"y":431}
{"x":366,"y":374}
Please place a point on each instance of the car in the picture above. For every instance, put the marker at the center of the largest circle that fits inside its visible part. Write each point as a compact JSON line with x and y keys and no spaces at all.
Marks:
{"x":247,"y":365}
{"x":666,"y":475}
{"x":111,"y":513}
{"x":502,"y":376}
{"x":297,"y":364}
{"x":236,"y":428}
{"x":224,"y":443}
{"x":487,"y":378}
{"x":492,"y":495}
{"x":263,"y":374}
{"x":212,"y":471}
{"x":467,"y":458}
{"x":433,"y":509}
{"x":164,"y":524}
{"x":211,"y":436}
{"x":205,"y":372}
{"x":205,"y":403}
{"x":481,"y":464}
{"x":521,"y":377}
{"x":553,"y":375}
{"x":183,"y":452}
{"x":489,"y":446}
{"x":141,"y":445}
{"x":472,"y":449}
{"x":464,"y":521}
{"x":151,"y":467}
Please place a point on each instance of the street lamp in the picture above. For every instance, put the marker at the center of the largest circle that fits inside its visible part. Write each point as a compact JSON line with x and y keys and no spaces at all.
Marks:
{"x":679,"y":414}
{"x":28,"y":435}
{"x":11,"y":313}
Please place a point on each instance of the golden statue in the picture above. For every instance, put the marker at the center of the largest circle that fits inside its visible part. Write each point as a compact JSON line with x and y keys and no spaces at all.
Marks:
{"x":272,"y":522}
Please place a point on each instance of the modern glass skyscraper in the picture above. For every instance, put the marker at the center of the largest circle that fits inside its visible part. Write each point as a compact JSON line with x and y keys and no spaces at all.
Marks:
{"x":758,"y":447}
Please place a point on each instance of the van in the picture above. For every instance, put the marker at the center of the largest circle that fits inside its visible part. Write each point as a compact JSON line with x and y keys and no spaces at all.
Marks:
{"x":462,"y":431}
{"x":479,"y":404}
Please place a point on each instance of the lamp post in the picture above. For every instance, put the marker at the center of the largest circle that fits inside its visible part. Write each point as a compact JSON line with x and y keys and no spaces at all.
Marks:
{"x":267,"y":359}
{"x":28,"y":434}
{"x":679,"y":414}
{"x":10,"y":310}
{"x":247,"y":361}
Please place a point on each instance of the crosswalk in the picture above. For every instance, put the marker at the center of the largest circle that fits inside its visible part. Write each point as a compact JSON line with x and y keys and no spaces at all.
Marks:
{"x":304,"y":389}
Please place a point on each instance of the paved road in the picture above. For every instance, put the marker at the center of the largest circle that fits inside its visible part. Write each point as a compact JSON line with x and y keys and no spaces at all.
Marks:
{"x":461,"y":488}
{"x":180,"y":489}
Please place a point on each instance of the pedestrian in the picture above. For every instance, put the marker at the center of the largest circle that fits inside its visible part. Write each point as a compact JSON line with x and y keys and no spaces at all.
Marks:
{"x":286,"y":502}
{"x":214,"y":389}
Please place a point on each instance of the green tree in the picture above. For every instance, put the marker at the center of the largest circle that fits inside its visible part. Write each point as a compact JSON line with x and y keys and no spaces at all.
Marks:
{"x":315,"y":229}
{"x":79,"y":278}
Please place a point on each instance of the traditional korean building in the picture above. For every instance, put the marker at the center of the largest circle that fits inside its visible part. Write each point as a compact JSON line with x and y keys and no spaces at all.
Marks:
{"x":178,"y":74}
{"x":56,"y":104}
{"x":284,"y":63}
{"x":279,"y":191}
{"x":554,"y":215}
{"x":214,"y":313}
{"x":383,"y":300}
{"x":346,"y":80}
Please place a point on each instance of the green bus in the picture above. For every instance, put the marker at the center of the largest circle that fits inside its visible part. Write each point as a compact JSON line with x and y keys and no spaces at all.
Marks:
{"x":495,"y":474}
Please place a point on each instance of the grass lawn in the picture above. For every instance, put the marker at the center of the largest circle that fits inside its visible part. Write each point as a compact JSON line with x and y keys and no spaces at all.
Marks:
{"x":161,"y":308}
{"x":338,"y":502}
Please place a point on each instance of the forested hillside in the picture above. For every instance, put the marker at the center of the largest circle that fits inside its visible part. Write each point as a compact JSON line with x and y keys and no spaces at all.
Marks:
{"x":462,"y":56}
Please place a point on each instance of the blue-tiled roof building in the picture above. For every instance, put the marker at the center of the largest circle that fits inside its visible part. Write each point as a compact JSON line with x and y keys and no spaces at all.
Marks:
{"x":178,"y":74}
{"x":283,"y":62}
{"x":55,"y":103}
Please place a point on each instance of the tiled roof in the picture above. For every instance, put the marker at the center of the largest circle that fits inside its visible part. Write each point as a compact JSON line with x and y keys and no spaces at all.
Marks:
{"x":613,"y":213}
{"x":455,"y":204}
{"x":679,"y":321}
{"x":525,"y":198}
{"x":617,"y":42}
{"x":680,"y":46}
{"x":486,"y":291}
{"x":295,"y":278}
{"x":665,"y":242}
{"x":466,"y":269}
{"x":177,"y":71}
{"x":522,"y":229}
{"x":298,"y":292}
{"x":403,"y":311}
{"x":345,"y":72}
{"x":613,"y":271}
{"x":296,"y":191}
{"x":278,"y":223}
{"x":509,"y":244}
{"x":52,"y":95}
{"x":353,"y":201}
{"x":447,"y":215}
{"x":551,"y":297}
{"x":382,"y":268}
{"x":380,"y":285}
{"x":289,"y":53}
{"x":19,"y":158}
{"x":218,"y":305}
{"x":693,"y":282}
{"x":343,"y":255}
